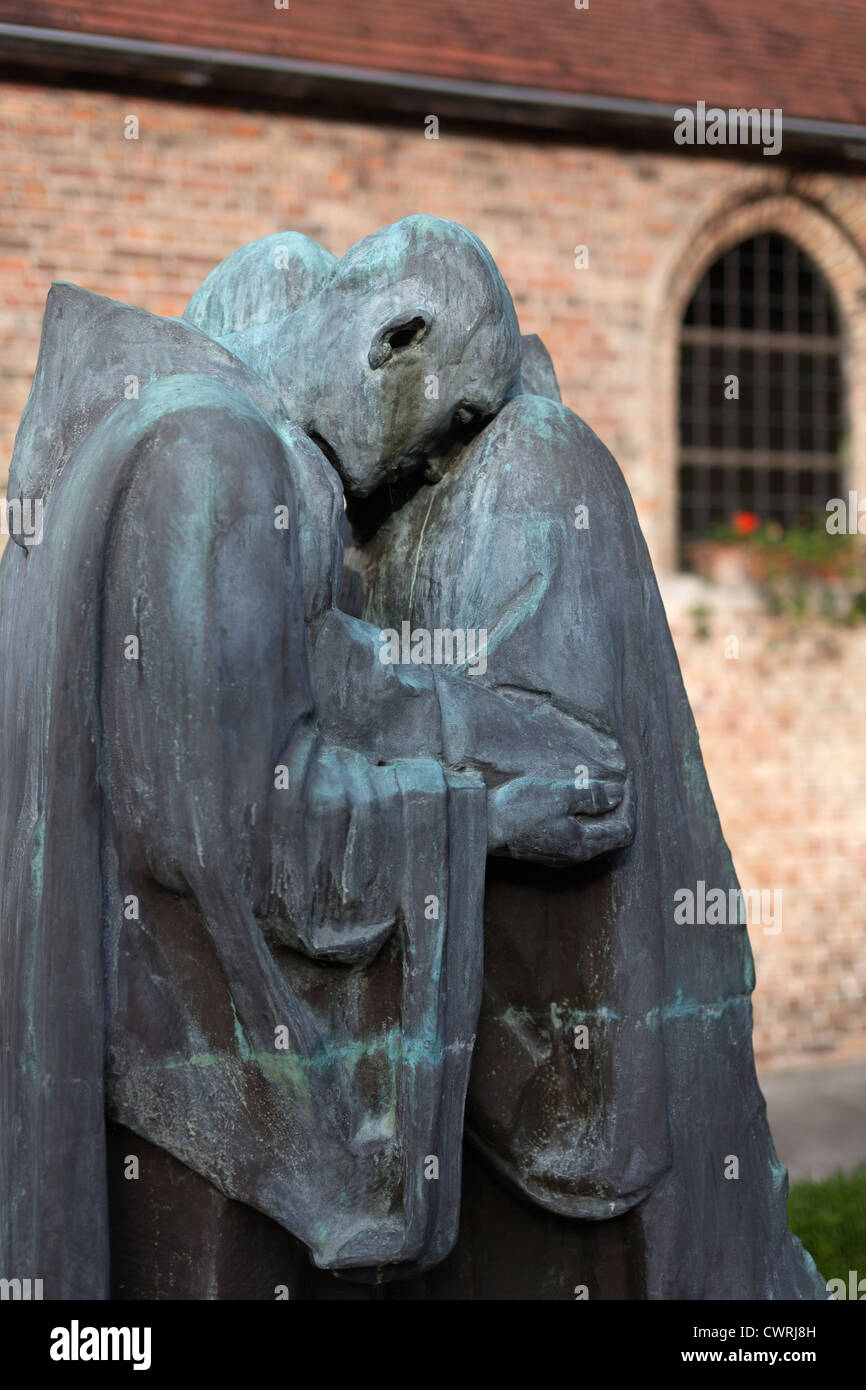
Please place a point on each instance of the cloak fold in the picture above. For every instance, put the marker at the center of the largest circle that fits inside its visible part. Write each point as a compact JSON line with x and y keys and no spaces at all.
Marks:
{"x":286,"y":1133}
{"x":53,"y":1218}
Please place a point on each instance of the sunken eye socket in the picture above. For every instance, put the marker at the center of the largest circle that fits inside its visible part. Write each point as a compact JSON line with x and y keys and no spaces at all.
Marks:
{"x":395,"y":337}
{"x":404,"y":334}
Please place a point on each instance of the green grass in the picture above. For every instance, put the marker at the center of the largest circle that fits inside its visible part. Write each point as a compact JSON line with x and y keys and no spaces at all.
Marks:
{"x":830,"y":1219}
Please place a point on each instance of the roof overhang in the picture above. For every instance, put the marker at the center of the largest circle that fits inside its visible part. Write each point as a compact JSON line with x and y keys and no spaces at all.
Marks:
{"x":76,"y":58}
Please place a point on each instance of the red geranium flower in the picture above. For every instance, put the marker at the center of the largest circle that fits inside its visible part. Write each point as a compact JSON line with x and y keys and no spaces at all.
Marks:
{"x":746,"y":522}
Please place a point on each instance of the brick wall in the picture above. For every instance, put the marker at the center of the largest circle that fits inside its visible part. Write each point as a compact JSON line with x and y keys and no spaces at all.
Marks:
{"x":145,"y":220}
{"x":780,"y":714}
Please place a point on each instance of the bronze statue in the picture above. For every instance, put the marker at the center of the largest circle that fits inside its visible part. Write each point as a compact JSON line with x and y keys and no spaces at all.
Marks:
{"x":313,"y":818}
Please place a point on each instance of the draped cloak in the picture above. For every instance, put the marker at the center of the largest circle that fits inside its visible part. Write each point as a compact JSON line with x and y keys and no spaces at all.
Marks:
{"x":133,"y":974}
{"x":625,"y":1033}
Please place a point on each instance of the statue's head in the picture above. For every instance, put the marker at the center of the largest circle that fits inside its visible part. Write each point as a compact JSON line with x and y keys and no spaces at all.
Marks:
{"x":385,"y":357}
{"x":413,"y":342}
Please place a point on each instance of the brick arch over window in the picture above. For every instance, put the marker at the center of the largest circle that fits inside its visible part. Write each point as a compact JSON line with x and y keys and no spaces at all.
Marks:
{"x":841,"y":261}
{"x":762,"y":403}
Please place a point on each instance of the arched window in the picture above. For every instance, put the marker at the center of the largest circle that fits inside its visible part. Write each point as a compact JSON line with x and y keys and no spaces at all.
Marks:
{"x":761,"y":395}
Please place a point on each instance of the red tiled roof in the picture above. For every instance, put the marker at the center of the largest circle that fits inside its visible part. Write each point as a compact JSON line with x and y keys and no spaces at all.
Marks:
{"x":806,"y":56}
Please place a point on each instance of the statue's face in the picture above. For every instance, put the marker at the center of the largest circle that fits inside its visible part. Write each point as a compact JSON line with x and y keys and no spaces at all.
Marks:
{"x":387,"y":382}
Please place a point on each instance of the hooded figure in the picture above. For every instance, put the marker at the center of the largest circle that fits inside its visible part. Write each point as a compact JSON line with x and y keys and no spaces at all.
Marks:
{"x":241,"y":856}
{"x":621,"y":1020}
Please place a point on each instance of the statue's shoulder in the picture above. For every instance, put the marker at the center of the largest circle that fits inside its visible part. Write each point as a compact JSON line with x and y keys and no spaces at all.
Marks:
{"x":538,"y":450}
{"x":94,"y":353}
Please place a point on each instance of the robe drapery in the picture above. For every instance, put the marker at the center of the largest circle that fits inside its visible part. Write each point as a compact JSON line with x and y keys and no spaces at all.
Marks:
{"x":626,"y":1037}
{"x":170,"y":909}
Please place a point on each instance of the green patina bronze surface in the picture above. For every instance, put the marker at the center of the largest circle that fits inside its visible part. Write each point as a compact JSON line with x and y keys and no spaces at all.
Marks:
{"x":314,"y":931}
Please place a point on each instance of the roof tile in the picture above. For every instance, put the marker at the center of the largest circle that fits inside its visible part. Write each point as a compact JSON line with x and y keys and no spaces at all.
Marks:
{"x":806,"y":56}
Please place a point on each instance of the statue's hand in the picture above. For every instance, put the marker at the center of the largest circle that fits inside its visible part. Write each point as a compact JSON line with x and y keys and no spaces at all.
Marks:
{"x":559,"y":823}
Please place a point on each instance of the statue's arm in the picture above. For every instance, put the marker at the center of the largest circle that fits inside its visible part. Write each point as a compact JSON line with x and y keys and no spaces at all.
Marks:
{"x":527,"y":752}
